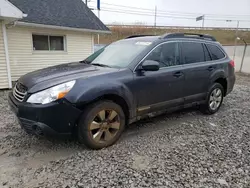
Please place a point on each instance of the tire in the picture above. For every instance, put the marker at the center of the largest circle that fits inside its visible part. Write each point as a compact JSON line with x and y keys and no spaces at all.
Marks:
{"x":208,"y":107}
{"x":101,"y":125}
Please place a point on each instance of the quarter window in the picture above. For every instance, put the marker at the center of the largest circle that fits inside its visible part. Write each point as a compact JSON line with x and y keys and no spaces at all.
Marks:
{"x":48,"y":43}
{"x":207,"y":55}
{"x":166,"y":54}
{"x":215,"y":52}
{"x":192,"y":52}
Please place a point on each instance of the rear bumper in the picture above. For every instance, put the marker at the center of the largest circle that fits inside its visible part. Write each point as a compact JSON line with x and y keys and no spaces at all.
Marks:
{"x":53,"y":119}
{"x":230,"y":84}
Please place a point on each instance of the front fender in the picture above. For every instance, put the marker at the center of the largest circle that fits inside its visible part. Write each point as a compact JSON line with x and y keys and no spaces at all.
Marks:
{"x":91,"y":92}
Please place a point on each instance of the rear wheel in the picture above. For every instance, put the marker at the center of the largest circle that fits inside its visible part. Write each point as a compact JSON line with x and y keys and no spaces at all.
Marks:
{"x":214,"y":99}
{"x":101,"y":125}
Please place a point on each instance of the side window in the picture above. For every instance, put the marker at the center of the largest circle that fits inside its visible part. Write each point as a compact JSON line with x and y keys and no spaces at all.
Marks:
{"x":215,"y":52}
{"x":192,"y":52}
{"x":207,"y":55}
{"x":166,"y":54}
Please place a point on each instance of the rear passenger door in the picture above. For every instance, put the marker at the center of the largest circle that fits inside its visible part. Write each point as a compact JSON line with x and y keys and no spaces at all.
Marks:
{"x":197,"y":70}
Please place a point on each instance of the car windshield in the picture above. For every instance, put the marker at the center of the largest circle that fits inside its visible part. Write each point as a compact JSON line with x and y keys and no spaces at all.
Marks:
{"x":118,"y":54}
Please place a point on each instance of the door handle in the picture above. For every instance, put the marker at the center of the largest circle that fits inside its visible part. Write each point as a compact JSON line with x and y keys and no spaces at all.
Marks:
{"x":210,"y":68}
{"x":178,"y":74}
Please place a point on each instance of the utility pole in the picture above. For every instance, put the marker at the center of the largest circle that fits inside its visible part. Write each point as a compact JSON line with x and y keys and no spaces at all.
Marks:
{"x":203,"y":21}
{"x":86,"y":2}
{"x":98,"y":9}
{"x":199,"y":18}
{"x":236,"y":35}
{"x":155,"y":18}
{"x":98,"y":36}
{"x":243,"y":56}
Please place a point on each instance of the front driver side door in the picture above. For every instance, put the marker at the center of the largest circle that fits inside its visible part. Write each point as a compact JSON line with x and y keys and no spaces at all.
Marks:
{"x":157,"y":90}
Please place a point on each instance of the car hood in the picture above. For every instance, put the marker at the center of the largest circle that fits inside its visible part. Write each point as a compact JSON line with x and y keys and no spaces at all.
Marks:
{"x":50,"y":76}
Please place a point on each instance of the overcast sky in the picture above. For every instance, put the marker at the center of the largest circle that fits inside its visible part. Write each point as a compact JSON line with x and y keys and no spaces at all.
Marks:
{"x":171,"y":12}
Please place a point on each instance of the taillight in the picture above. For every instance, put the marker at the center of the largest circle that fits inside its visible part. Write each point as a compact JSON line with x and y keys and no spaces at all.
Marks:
{"x":232,"y":63}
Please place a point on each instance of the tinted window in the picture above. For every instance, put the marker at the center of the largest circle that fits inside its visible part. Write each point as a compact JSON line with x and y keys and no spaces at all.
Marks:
{"x":192,"y":52}
{"x":215,"y":52}
{"x":166,"y":54}
{"x":94,"y":55}
{"x":207,"y":55}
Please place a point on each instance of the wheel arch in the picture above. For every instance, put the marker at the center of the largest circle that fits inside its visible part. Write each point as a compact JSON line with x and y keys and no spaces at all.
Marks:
{"x":116,"y":99}
{"x":219,"y":77}
{"x":223,"y":82}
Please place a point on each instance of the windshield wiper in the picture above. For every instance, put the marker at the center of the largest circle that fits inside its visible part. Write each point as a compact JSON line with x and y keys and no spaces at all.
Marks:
{"x":85,"y":61}
{"x":101,"y":65}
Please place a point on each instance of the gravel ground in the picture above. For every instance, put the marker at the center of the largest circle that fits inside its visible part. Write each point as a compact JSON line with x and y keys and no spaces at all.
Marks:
{"x":182,"y":149}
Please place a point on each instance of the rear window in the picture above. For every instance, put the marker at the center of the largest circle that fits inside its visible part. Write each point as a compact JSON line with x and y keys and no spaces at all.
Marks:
{"x":215,"y":52}
{"x":192,"y":52}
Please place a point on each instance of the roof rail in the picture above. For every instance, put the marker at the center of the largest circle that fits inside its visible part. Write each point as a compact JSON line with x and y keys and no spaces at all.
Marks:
{"x":134,"y":36}
{"x":188,"y":35}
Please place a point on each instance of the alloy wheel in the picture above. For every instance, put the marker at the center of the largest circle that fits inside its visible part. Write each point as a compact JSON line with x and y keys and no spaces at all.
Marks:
{"x":215,"y":99}
{"x":104,"y":126}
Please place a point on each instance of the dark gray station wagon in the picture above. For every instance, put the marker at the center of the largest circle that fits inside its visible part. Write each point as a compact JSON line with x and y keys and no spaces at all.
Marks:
{"x":122,"y":82}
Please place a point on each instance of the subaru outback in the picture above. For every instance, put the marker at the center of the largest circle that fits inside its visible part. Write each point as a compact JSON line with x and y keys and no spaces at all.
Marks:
{"x":97,"y":97}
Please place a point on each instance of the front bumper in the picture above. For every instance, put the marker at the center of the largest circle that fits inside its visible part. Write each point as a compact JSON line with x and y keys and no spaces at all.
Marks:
{"x":54,"y":119}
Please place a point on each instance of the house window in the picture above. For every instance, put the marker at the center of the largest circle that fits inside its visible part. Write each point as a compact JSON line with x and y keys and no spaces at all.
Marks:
{"x":48,"y":43}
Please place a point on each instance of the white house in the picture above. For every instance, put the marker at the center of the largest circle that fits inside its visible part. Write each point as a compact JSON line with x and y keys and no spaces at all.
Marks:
{"x":39,"y":33}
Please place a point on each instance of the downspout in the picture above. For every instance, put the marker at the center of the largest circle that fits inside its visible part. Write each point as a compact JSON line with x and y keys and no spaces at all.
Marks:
{"x":93,"y":43}
{"x":6,"y":49}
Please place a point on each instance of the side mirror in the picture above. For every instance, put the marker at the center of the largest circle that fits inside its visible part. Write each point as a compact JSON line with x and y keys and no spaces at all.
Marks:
{"x":150,"y":65}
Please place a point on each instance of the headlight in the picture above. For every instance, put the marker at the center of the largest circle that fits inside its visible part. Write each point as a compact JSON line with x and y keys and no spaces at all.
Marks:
{"x":51,"y":94}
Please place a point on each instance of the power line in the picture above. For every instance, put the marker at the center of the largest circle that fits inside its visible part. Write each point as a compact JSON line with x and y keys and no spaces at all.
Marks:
{"x":162,"y":15}
{"x":122,"y":9}
{"x":147,"y":10}
{"x":236,"y":20}
{"x":146,"y":14}
{"x":175,"y":12}
{"x":162,"y":25}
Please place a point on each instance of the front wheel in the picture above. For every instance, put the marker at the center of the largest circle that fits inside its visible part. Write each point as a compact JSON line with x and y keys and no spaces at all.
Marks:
{"x":214,"y":99}
{"x":101,"y":125}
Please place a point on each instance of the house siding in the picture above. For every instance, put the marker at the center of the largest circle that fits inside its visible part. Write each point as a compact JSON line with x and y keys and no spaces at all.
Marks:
{"x":23,"y":59}
{"x":3,"y":67}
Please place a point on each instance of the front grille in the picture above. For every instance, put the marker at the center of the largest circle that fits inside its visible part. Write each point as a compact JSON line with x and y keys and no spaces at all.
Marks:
{"x":19,"y":92}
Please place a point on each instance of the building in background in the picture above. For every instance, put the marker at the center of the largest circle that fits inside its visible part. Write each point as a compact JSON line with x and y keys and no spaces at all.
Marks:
{"x":38,"y":34}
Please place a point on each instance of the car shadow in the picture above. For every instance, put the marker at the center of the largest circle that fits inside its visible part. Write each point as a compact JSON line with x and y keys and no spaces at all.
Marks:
{"x":160,"y":121}
{"x":41,"y":150}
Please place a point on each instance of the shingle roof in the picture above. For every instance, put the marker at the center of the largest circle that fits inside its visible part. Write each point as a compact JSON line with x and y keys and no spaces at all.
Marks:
{"x":65,"y":13}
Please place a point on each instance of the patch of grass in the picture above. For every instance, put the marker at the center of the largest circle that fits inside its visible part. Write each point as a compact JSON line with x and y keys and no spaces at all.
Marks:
{"x":226,"y":37}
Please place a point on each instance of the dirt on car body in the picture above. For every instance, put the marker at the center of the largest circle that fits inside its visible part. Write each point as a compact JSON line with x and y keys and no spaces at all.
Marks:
{"x":181,"y":149}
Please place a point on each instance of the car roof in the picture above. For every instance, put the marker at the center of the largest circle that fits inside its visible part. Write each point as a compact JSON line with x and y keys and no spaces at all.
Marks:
{"x":143,"y":38}
{"x":173,"y":36}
